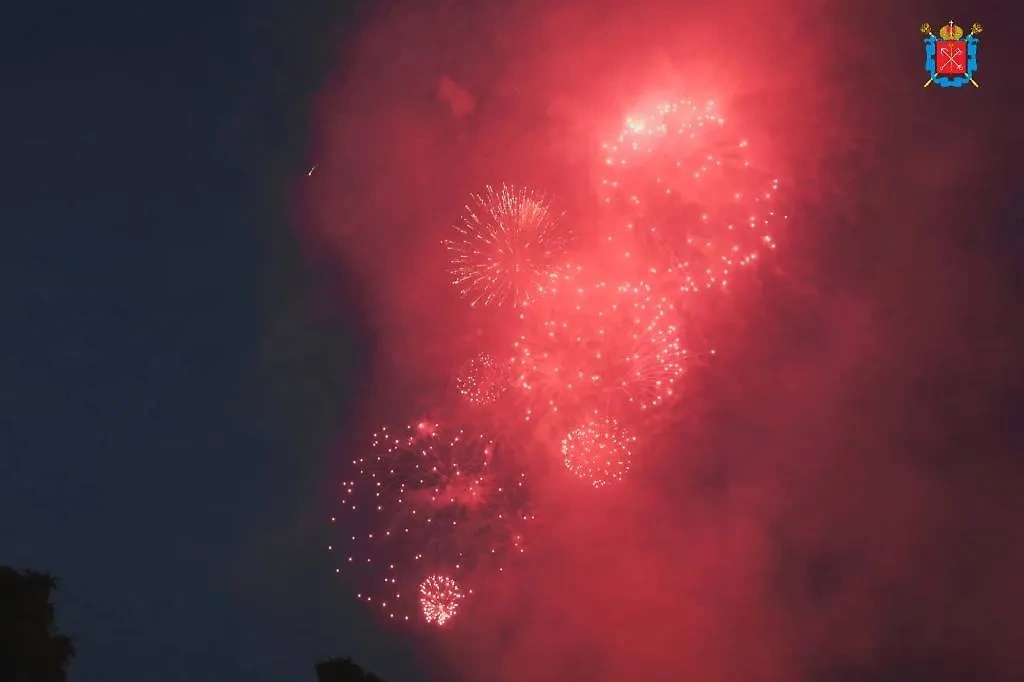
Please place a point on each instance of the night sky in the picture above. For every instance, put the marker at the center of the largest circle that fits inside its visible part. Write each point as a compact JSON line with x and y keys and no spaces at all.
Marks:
{"x":177,"y":369}
{"x":148,"y":158}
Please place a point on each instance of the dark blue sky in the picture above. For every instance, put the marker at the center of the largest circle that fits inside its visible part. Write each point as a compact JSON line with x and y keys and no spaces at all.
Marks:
{"x":137,"y":464}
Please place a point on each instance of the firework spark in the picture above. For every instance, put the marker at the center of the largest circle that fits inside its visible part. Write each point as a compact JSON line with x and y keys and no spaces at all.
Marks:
{"x":598,"y":451}
{"x":511,"y":247}
{"x":601,"y":346}
{"x":427,"y":500}
{"x":440,"y":596}
{"x":682,"y":184}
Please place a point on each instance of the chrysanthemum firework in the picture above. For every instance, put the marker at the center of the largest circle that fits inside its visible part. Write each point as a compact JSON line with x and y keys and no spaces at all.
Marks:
{"x":510,"y":247}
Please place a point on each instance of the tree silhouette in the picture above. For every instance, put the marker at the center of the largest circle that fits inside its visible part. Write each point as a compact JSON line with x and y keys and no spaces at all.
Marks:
{"x":343,"y":670}
{"x":30,"y":649}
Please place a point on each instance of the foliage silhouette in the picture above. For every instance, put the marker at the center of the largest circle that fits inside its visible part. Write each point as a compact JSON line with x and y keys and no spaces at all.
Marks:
{"x":343,"y":670}
{"x":30,"y":649}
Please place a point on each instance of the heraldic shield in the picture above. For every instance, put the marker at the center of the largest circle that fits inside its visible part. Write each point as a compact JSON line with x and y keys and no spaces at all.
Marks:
{"x":951,"y":59}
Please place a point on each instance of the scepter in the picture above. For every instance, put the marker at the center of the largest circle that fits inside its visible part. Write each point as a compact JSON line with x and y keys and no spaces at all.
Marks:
{"x":976,"y":28}
{"x":926,"y":29}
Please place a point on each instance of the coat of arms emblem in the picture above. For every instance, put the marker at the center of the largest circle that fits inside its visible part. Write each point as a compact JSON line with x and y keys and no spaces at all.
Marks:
{"x":951,"y":59}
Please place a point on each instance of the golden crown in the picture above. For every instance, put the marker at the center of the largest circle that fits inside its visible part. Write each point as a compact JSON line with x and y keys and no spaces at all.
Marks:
{"x":951,"y":31}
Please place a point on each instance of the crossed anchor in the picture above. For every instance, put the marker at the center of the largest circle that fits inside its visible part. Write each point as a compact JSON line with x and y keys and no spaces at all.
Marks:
{"x":951,"y":58}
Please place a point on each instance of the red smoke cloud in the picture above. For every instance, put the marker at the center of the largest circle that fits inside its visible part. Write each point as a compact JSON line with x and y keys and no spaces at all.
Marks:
{"x":836,"y":491}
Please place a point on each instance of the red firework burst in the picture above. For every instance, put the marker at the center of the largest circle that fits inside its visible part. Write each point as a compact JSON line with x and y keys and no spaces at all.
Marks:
{"x":427,"y":500}
{"x":598,"y":451}
{"x":511,"y":247}
{"x":600,"y":346}
{"x":440,"y":596}
{"x":682,"y":184}
{"x":482,"y":380}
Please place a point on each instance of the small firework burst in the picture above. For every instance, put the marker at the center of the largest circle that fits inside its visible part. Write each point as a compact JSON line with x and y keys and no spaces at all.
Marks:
{"x":682,"y":184}
{"x":511,"y":248}
{"x":598,"y":451}
{"x":482,"y":380}
{"x":440,"y":596}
